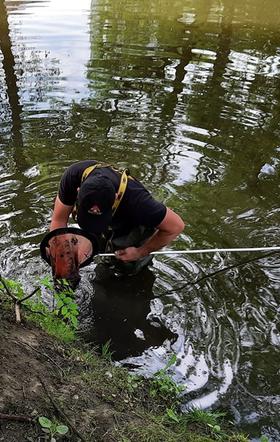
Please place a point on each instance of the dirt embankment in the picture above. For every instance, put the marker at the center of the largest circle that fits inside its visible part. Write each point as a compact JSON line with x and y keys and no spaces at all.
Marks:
{"x":97,"y":401}
{"x":41,"y":377}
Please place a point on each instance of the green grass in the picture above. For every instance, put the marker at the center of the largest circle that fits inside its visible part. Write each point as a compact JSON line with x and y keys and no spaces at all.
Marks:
{"x":146,"y":418}
{"x":60,"y":323}
{"x":53,"y":326}
{"x":147,"y":410}
{"x":106,"y":353}
{"x":152,"y":428}
{"x":162,"y":385}
{"x":196,"y":415}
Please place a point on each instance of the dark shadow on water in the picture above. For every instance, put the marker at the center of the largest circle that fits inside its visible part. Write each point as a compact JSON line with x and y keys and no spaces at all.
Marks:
{"x":120,"y":307}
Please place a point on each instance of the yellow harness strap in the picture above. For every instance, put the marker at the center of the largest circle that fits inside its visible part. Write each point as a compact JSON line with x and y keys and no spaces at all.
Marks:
{"x":121,"y":190}
{"x":89,"y":169}
{"x":122,"y":187}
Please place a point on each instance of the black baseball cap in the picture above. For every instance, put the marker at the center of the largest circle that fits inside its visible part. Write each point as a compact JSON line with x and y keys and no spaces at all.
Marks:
{"x":95,"y":190}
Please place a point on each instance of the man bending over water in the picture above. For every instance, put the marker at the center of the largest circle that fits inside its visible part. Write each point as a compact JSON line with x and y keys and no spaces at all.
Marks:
{"x":118,"y":210}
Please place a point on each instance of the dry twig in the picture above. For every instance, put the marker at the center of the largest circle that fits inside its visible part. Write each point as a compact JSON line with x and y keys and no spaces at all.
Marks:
{"x":17,"y":301}
{"x":15,"y":417}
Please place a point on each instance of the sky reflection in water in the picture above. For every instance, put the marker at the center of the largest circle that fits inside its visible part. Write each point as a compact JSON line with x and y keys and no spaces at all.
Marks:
{"x":188,"y":98}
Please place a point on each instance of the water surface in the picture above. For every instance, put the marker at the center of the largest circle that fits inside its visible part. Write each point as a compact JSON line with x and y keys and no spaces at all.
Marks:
{"x":188,"y":97}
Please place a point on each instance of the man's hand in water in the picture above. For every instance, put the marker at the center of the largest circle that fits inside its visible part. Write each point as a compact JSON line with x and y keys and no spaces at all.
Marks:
{"x":171,"y":226}
{"x":129,"y":254}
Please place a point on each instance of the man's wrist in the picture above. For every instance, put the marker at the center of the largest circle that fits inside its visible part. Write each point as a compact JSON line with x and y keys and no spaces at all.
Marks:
{"x":142,"y":251}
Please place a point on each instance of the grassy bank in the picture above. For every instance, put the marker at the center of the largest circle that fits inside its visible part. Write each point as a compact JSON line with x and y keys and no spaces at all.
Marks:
{"x":55,"y":389}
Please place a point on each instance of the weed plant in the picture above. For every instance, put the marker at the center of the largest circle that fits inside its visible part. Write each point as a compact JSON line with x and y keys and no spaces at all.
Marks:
{"x":130,"y":394}
{"x":106,"y":353}
{"x":61,"y":322}
{"x":52,"y":429}
{"x":164,"y":386}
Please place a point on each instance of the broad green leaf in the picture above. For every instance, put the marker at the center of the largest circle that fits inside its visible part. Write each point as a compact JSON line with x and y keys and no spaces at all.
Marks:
{"x":67,"y":300}
{"x":62,"y":429}
{"x":45,"y":422}
{"x":64,"y":311}
{"x":74,"y":321}
{"x":46,"y":282}
{"x":59,"y":304}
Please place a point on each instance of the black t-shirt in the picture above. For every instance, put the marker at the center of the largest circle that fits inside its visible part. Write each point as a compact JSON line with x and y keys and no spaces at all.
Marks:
{"x":137,"y":207}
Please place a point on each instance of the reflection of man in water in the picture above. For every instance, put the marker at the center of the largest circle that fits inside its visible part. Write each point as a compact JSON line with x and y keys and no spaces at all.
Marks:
{"x":120,"y":308}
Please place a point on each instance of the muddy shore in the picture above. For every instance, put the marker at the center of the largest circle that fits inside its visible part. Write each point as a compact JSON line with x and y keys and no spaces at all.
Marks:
{"x":97,"y":401}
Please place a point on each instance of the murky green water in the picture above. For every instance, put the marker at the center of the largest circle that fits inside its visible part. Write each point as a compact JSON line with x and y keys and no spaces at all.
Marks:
{"x":185,"y":93}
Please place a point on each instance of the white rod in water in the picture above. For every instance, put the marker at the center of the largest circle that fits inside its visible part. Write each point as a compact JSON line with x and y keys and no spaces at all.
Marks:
{"x":182,"y":252}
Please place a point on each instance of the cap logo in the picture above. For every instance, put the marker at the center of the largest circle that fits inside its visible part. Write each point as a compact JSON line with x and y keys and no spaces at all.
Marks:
{"x":95,"y":211}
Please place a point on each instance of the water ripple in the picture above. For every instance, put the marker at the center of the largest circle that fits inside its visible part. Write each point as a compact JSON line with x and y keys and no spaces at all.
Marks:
{"x":188,"y":98}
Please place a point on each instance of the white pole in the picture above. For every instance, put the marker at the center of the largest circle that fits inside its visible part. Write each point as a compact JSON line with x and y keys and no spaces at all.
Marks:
{"x":185,"y":252}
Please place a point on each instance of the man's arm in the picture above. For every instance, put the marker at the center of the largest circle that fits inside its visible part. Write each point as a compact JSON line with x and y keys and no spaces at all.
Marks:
{"x":61,"y":214}
{"x":170,"y":227}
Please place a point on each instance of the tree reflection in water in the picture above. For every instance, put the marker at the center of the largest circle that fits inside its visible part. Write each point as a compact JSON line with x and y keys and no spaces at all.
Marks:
{"x":118,"y":313}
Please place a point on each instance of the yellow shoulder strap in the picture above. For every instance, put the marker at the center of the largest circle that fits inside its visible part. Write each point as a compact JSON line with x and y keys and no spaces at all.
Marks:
{"x":88,"y":170}
{"x":121,"y":191}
